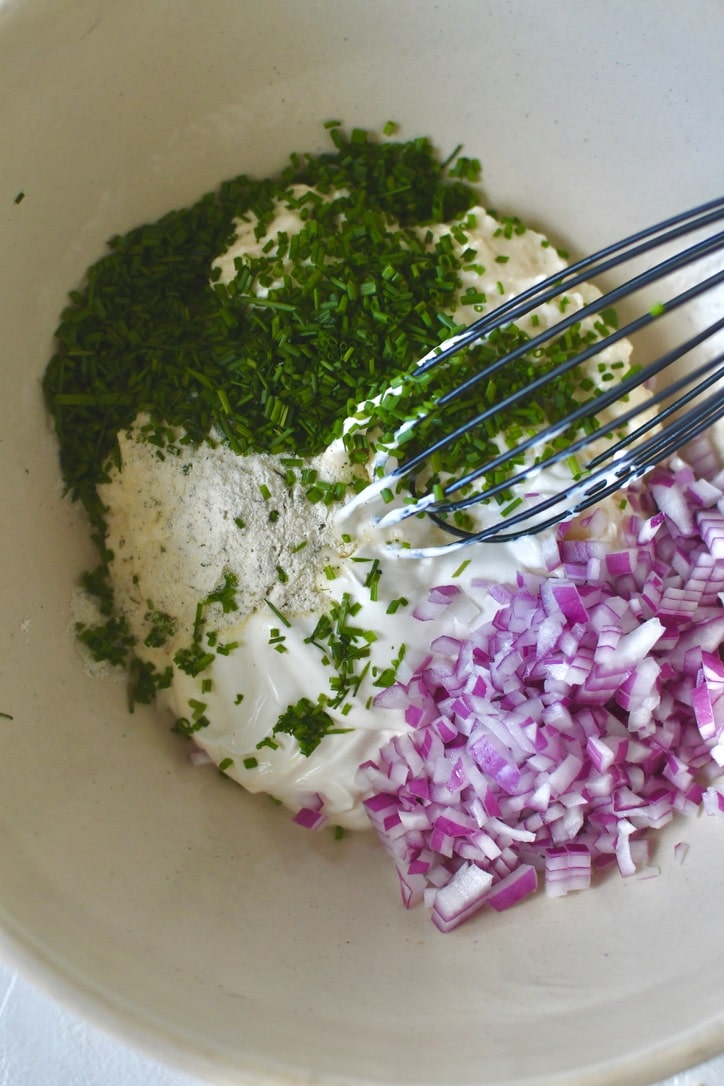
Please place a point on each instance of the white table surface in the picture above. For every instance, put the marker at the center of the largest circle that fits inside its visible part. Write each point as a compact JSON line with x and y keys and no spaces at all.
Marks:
{"x":43,"y":1044}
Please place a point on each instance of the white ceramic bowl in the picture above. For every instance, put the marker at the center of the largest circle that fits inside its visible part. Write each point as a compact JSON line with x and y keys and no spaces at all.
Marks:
{"x":159,"y":899}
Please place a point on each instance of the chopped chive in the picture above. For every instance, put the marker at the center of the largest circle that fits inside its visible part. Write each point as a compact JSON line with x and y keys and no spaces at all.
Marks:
{"x":267,"y":742}
{"x":282,"y":618}
{"x":372,"y":579}
{"x":394,"y":605}
{"x":508,"y":509}
{"x":462,"y":567}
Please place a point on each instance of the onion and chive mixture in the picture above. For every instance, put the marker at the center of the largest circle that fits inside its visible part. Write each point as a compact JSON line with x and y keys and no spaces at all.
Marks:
{"x":524,"y":716}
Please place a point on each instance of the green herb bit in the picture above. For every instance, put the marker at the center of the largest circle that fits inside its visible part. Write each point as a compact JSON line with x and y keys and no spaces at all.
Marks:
{"x":275,"y":611}
{"x":372,"y":580}
{"x":385,"y":678}
{"x":109,"y":641}
{"x":267,"y":742}
{"x":183,"y":726}
{"x":343,"y":647}
{"x":193,"y":660}
{"x":573,"y":466}
{"x":163,"y":627}
{"x":610,"y":317}
{"x":394,"y":605}
{"x":97,"y":583}
{"x":308,"y":722}
{"x":227,"y":648}
{"x":144,"y":680}
{"x":388,"y":676}
{"x":250,"y":763}
{"x":225,"y":594}
{"x":226,"y":763}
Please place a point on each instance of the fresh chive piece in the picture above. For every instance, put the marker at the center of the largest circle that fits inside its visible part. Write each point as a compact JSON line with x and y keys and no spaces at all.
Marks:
{"x":307,"y":722}
{"x":275,"y":610}
{"x":462,"y":567}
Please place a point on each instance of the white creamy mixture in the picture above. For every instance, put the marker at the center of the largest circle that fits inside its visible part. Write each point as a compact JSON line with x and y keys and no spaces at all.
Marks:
{"x":179,"y":525}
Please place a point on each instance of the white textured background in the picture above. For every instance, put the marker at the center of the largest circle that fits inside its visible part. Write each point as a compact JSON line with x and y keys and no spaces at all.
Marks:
{"x":43,"y":1044}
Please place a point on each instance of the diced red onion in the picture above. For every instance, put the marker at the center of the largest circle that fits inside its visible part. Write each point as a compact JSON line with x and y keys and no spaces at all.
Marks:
{"x":309,"y":818}
{"x":549,"y":740}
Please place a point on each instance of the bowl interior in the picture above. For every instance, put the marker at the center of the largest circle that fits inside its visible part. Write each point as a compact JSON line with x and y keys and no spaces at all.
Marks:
{"x":158,"y":898}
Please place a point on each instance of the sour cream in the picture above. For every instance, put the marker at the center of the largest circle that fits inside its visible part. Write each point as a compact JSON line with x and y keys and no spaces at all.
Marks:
{"x":269,"y":680}
{"x":174,"y":527}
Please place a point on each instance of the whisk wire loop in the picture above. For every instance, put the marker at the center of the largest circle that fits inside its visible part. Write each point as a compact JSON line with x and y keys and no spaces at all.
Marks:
{"x":674,"y":410}
{"x":582,"y":271}
{"x":606,"y":399}
{"x":591,"y":309}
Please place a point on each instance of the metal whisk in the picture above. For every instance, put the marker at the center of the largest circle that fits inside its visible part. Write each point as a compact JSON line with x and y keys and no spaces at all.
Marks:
{"x":608,"y":452}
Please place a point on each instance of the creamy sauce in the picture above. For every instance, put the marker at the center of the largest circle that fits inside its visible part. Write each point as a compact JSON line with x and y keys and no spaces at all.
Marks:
{"x":270,"y":681}
{"x":178,"y":525}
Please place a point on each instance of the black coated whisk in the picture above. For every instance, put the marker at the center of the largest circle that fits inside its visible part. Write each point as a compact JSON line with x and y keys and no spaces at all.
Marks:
{"x":609,"y":448}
